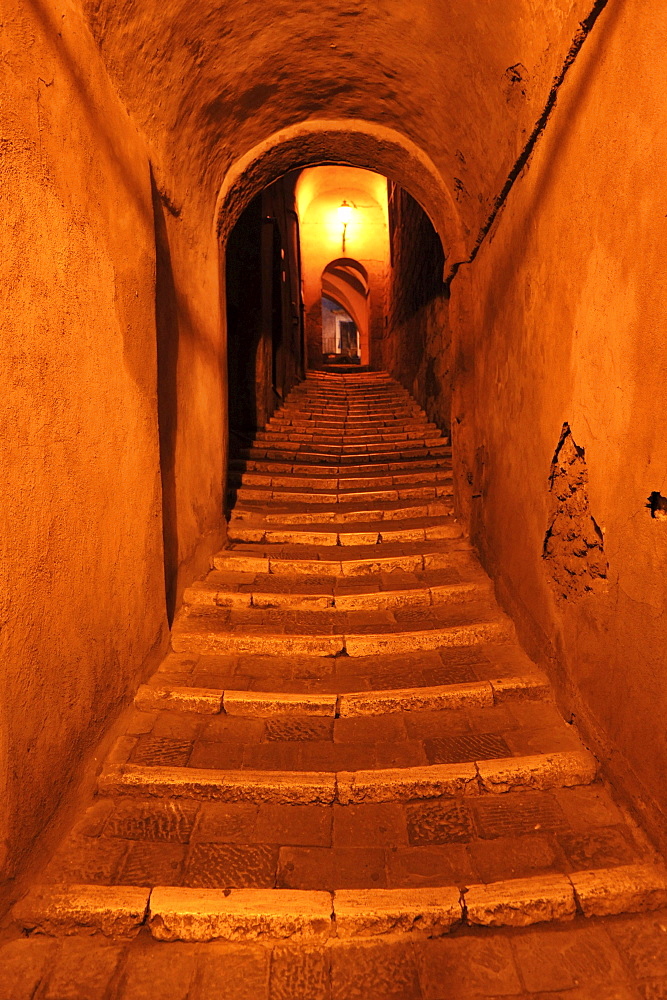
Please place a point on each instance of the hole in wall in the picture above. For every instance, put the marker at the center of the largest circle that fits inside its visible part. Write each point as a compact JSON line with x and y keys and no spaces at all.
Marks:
{"x":657,"y":504}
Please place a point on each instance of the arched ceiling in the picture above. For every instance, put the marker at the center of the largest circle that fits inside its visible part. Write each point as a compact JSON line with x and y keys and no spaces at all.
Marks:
{"x":464,"y":80}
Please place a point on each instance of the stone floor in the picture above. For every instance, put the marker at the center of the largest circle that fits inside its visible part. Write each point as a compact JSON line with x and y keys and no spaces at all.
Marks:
{"x":347,"y":779}
{"x":615,"y":958}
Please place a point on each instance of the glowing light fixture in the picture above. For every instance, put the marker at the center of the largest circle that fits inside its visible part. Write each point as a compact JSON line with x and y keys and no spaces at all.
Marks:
{"x":345,"y":212}
{"x":345,"y":217}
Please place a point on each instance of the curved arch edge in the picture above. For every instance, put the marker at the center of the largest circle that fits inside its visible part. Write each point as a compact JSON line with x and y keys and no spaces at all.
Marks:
{"x":352,"y":142}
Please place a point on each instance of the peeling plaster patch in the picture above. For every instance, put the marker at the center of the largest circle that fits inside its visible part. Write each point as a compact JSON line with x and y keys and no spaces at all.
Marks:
{"x":573,"y":545}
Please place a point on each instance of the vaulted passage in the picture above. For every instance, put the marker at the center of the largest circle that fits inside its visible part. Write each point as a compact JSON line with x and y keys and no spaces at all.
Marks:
{"x":332,"y":620}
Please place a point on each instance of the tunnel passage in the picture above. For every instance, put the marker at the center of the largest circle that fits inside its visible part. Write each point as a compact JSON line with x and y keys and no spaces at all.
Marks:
{"x":345,"y":312}
{"x":327,"y":264}
{"x":558,"y":286}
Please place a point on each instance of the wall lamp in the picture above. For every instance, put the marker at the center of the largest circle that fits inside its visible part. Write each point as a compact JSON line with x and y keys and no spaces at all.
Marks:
{"x":345,"y":211}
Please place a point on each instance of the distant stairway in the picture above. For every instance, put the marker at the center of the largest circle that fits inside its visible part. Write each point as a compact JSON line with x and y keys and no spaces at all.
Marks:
{"x":347,"y":740}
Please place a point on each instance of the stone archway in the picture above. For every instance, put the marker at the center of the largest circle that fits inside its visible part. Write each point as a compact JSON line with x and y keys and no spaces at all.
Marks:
{"x":355,"y":143}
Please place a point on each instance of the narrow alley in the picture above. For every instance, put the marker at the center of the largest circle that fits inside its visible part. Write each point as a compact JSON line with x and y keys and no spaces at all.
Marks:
{"x":333,"y":604}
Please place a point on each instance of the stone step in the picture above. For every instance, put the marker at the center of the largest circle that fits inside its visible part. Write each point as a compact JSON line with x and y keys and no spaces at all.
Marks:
{"x":536,"y":772}
{"x":351,"y":560}
{"x":305,"y":455}
{"x":176,"y":913}
{"x":234,"y":590}
{"x":384,"y":399}
{"x":371,"y":481}
{"x":347,"y":439}
{"x":289,"y":424}
{"x":269,"y":746}
{"x":307,"y":422}
{"x":157,"y":696}
{"x":242,"y":464}
{"x":416,"y":530}
{"x":306,"y":675}
{"x":300,"y":513}
{"x":304,"y":442}
{"x":324,"y":406}
{"x":280,"y":494}
{"x":198,"y":630}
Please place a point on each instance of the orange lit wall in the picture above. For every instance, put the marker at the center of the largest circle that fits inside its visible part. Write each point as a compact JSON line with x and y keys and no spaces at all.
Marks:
{"x":319,"y":193}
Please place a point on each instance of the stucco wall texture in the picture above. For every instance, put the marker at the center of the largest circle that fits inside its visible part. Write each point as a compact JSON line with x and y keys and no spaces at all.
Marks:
{"x":561,"y":320}
{"x":81,"y":606}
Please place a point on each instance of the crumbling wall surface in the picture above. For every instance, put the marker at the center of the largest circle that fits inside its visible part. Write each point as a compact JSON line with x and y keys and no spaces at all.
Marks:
{"x":561,"y":321}
{"x":417,"y":343}
{"x":573,"y":545}
{"x":81,"y":591}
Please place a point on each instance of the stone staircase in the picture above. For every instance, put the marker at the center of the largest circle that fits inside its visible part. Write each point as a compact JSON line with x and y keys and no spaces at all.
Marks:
{"x":346,"y":741}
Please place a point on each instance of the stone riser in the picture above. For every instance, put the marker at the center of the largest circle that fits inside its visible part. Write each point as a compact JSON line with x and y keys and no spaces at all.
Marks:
{"x":345,"y":483}
{"x":199,"y":641}
{"x":328,"y":460}
{"x":538,"y":772}
{"x":248,"y":493}
{"x":206,"y":595}
{"x":229,"y":561}
{"x":285,"y":422}
{"x":285,"y":536}
{"x":334,"y":448}
{"x":199,"y":915}
{"x":345,"y":441}
{"x":342,"y":516}
{"x":275,"y":704}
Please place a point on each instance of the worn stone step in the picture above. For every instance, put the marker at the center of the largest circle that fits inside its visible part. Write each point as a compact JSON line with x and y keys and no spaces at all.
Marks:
{"x":372,"y":481}
{"x":355,"y":411}
{"x":277,"y":733}
{"x":369,"y":496}
{"x":347,"y":443}
{"x":304,"y":421}
{"x":265,"y":591}
{"x":349,"y":560}
{"x":431,"y":457}
{"x":197,"y":635}
{"x":416,"y":530}
{"x":537,"y":772}
{"x":309,"y":444}
{"x":302,"y":513}
{"x":269,"y":466}
{"x":350,"y":430}
{"x":175,"y":913}
{"x":344,"y":430}
{"x":346,"y":674}
{"x":157,"y":696}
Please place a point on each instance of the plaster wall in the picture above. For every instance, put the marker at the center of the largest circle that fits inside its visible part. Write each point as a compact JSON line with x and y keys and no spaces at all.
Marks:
{"x":82,"y":610}
{"x":560,"y":320}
